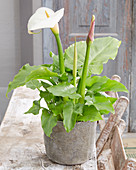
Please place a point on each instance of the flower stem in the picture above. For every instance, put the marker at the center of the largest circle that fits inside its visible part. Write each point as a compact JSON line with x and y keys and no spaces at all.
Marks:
{"x":84,"y":73}
{"x":75,"y":66}
{"x":60,"y":52}
{"x":61,"y":58}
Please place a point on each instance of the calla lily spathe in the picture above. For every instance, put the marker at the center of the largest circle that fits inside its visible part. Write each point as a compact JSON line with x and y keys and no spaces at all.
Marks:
{"x":45,"y":18}
{"x":91,"y":31}
{"x":92,"y":26}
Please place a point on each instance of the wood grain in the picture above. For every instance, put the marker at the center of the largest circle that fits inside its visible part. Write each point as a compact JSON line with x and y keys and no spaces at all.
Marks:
{"x":113,"y":120}
{"x":117,"y":148}
{"x":105,"y":160}
{"x":130,"y":164}
{"x":122,"y":126}
{"x":132,"y":117}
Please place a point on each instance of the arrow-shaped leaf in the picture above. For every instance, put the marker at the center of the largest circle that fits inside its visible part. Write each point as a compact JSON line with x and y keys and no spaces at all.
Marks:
{"x":69,"y":116}
{"x":102,"y":50}
{"x":41,"y":73}
{"x":35,"y":108}
{"x":48,"y":121}
{"x":62,"y":89}
{"x":19,"y":79}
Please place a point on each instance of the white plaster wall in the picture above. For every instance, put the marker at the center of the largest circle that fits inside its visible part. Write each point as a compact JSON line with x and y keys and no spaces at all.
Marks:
{"x":10,"y":58}
{"x":9,"y":40}
{"x":17,"y":47}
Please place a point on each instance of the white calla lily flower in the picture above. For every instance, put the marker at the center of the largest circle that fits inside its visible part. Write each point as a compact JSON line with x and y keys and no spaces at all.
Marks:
{"x":45,"y":18}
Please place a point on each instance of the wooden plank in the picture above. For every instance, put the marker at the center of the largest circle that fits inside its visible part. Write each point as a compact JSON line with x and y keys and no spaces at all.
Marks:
{"x":101,"y":123}
{"x":130,"y":164}
{"x":129,"y":140}
{"x":89,"y":165}
{"x":21,"y":138}
{"x":105,"y":160}
{"x":117,"y":148}
{"x":116,"y":77}
{"x":114,"y":119}
{"x":132,"y":117}
{"x":122,"y":126}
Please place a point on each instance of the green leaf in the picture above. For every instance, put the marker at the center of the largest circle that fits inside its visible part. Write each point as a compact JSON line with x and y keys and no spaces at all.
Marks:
{"x":104,"y":112}
{"x":113,"y":85}
{"x":33,"y":84}
{"x":112,"y":99}
{"x":69,"y":53}
{"x":103,"y":84}
{"x":96,"y":82}
{"x":56,"y":108}
{"x":89,"y":100}
{"x":102,"y":103}
{"x":45,"y":85}
{"x":19,"y":79}
{"x":62,"y":89}
{"x":78,"y":108}
{"x":102,"y":50}
{"x":69,"y":116}
{"x":41,"y":73}
{"x":46,"y":65}
{"x":70,"y":77}
{"x":90,"y":113}
{"x":46,"y":95}
{"x":74,"y":96}
{"x":48,"y":121}
{"x":35,"y":108}
{"x":63,"y":77}
{"x":55,"y":62}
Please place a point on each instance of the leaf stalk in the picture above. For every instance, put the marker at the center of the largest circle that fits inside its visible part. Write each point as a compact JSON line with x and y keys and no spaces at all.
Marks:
{"x":60,"y":52}
{"x":84,"y":73}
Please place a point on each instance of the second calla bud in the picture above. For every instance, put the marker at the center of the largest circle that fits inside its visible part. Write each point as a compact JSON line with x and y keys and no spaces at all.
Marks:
{"x":91,"y":31}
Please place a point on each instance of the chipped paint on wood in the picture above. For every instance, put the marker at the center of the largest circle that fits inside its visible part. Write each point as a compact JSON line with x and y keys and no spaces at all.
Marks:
{"x":113,"y":120}
{"x":132,"y":116}
{"x":117,"y":148}
{"x":105,"y":160}
{"x":130,"y":164}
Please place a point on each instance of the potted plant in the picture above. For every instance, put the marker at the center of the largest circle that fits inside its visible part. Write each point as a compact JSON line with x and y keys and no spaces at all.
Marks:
{"x":74,"y":98}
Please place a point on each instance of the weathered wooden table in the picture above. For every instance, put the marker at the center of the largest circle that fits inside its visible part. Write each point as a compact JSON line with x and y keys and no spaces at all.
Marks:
{"x":21,"y":138}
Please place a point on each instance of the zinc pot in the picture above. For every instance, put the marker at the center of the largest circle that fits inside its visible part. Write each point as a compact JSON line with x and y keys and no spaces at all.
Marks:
{"x":71,"y":148}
